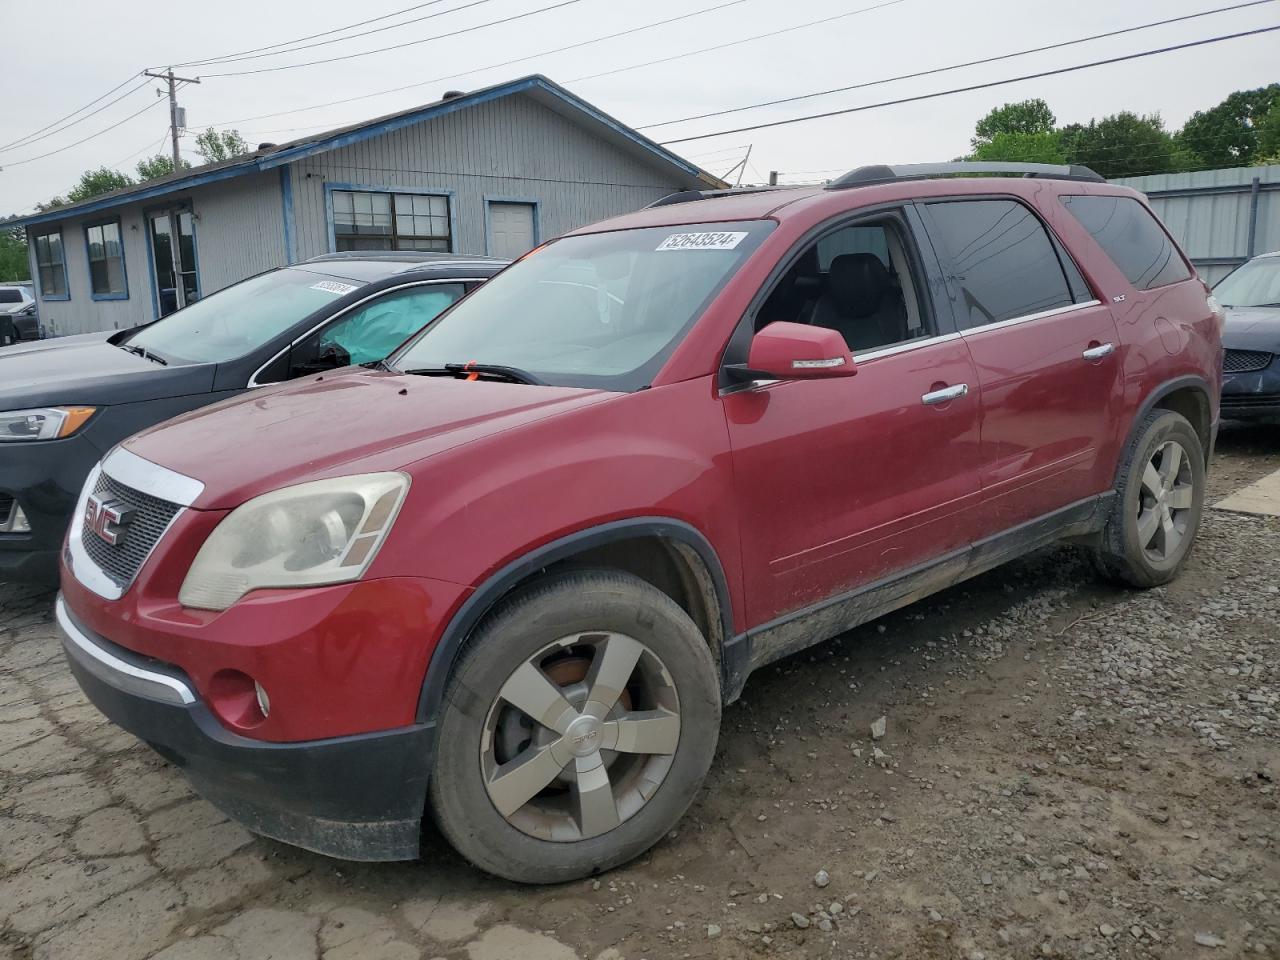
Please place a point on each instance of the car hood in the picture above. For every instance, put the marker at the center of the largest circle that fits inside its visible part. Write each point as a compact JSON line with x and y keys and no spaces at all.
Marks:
{"x":353,"y":421}
{"x":1252,"y":328}
{"x":88,"y":370}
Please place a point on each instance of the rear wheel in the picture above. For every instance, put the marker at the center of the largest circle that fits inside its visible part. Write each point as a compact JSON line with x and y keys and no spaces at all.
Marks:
{"x":577,"y":727}
{"x":1159,"y":502}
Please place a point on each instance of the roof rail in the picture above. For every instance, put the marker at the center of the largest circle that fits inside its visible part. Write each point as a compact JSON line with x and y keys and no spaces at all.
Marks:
{"x":687,"y":196}
{"x":883,"y":173}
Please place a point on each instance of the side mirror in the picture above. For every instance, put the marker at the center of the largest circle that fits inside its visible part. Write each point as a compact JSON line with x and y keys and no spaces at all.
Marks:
{"x":796,"y":351}
{"x":329,"y":356}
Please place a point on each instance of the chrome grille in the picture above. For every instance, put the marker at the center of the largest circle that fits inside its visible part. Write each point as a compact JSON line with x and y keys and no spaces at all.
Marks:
{"x":151,"y":518}
{"x":1245,"y":361}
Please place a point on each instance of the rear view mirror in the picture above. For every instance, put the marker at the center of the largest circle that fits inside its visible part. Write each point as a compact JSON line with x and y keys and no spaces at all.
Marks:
{"x":796,"y":351}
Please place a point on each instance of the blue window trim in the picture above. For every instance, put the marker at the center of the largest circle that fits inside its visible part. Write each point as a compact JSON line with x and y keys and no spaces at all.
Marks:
{"x":124,"y":268}
{"x":537,"y":219}
{"x":365,"y":188}
{"x":32,"y":236}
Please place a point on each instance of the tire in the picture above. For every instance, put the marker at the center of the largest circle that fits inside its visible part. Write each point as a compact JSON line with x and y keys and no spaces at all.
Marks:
{"x":1132,"y":551}
{"x":561,"y":626}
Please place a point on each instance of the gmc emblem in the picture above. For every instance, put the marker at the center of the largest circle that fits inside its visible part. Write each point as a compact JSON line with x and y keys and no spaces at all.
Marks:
{"x":107,"y":518}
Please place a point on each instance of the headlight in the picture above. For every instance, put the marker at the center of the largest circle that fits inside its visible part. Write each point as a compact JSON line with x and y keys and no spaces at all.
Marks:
{"x":315,"y":533}
{"x":43,"y":423}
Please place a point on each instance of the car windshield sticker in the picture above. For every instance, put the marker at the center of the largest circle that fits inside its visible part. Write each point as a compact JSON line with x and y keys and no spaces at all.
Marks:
{"x":701,"y":241}
{"x":334,"y":287}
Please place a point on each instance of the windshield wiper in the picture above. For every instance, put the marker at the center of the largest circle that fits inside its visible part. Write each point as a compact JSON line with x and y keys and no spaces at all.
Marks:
{"x":465,"y":370}
{"x":145,"y":354}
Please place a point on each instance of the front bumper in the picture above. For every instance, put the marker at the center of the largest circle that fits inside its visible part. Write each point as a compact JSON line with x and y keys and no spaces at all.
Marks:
{"x":1254,"y":395}
{"x":45,"y":478}
{"x":358,"y":797}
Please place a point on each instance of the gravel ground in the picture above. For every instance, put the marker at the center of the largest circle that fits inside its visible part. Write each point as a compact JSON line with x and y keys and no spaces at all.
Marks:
{"x":1065,"y":770}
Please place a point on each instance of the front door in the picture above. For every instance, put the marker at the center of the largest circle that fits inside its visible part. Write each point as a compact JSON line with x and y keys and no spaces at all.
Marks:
{"x":1047,"y":355}
{"x":843,"y":482}
{"x":173,"y":255}
{"x":512,"y":228}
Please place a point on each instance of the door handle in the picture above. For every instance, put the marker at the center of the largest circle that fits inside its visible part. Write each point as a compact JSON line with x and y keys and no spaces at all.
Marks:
{"x":945,"y":394}
{"x":1097,"y":353}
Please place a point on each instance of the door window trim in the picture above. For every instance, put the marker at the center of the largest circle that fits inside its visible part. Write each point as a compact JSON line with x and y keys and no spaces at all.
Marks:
{"x":1029,"y":318}
{"x":253,"y":380}
{"x":945,"y":262}
{"x":919,"y":249}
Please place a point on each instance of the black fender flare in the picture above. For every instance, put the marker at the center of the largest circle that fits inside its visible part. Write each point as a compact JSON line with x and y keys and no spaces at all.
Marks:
{"x":1153,"y":398}
{"x":496,"y":586}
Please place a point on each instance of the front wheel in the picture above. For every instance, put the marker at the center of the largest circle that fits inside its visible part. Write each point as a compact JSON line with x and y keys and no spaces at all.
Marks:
{"x":577,"y":727}
{"x":1159,"y":502}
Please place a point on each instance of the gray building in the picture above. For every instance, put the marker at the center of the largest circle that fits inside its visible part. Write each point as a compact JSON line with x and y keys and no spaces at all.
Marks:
{"x":1220,"y":217}
{"x":493,"y":171}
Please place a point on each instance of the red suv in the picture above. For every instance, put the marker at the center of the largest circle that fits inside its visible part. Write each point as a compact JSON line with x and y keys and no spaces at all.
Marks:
{"x":509,"y":577}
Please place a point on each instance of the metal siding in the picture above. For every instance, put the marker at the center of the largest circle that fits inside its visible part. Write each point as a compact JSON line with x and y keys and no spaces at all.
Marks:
{"x":1210,"y":216}
{"x":239,"y":230}
{"x":512,"y":147}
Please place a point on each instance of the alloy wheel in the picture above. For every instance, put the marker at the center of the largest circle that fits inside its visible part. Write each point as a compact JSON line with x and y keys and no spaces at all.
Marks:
{"x":580,"y":736}
{"x":1165,"y":501}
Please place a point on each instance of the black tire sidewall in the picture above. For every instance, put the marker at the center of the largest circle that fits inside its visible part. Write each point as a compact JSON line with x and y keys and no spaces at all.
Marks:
{"x":1161,"y":427}
{"x":563,"y":605}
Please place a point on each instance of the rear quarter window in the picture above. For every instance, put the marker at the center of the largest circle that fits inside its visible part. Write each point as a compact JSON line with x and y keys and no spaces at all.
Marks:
{"x":1133,"y":239}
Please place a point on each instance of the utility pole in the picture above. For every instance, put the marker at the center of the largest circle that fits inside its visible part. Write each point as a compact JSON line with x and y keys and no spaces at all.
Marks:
{"x":173,"y":109}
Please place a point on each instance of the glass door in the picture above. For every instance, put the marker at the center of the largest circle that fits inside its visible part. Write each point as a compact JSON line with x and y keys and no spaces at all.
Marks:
{"x":176,"y":282}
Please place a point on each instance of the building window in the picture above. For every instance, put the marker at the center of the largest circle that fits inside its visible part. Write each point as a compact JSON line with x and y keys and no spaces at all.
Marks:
{"x":106,"y":261}
{"x":51,"y":265}
{"x":366,"y":220}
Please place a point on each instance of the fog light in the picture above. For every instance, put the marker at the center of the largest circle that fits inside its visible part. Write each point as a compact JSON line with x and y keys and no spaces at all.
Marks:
{"x":264,"y":702}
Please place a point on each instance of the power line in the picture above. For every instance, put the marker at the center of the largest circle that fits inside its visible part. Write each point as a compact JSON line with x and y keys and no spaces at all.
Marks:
{"x":149,"y":106}
{"x":492,"y":66}
{"x":33,"y":136}
{"x":970,"y":88}
{"x":399,"y":46}
{"x":354,"y":36}
{"x":734,"y":43}
{"x":313,"y":36}
{"x":935,"y":70}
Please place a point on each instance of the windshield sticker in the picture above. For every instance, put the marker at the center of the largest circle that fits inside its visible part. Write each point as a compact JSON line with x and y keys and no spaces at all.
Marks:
{"x":334,"y":287}
{"x":701,"y":241}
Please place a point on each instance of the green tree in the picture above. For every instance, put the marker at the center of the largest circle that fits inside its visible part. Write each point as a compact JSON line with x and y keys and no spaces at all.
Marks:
{"x":1121,"y":145}
{"x":14,"y":264}
{"x":1228,"y":135}
{"x":1043,"y":147}
{"x":95,"y":182}
{"x":215,"y":146}
{"x":1269,"y":135}
{"x":1024,"y":117}
{"x":152,"y":168}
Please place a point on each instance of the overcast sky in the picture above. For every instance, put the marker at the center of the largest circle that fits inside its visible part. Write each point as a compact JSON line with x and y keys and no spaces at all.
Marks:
{"x":71,"y":51}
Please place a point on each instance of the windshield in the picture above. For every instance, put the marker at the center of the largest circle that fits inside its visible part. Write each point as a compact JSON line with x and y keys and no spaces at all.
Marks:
{"x":1255,"y":284}
{"x":236,"y":321}
{"x":601,"y":310}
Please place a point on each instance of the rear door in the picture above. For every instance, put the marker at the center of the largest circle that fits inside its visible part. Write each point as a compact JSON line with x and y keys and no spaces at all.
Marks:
{"x":843,"y":482}
{"x":1046,"y":351}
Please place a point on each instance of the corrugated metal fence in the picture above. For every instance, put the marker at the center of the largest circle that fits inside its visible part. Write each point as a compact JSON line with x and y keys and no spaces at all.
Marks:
{"x":1220,"y":217}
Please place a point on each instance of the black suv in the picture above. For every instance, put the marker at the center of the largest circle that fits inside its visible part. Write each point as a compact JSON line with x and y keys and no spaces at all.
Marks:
{"x":65,"y":402}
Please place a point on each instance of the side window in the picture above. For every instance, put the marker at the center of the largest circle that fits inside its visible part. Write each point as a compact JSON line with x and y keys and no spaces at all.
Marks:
{"x":1001,"y":258}
{"x":51,"y":266}
{"x":370,"y":332}
{"x":858,"y":280}
{"x":1132,"y":238}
